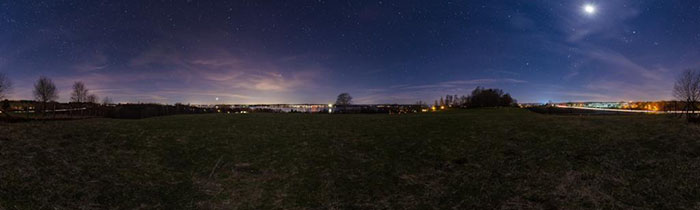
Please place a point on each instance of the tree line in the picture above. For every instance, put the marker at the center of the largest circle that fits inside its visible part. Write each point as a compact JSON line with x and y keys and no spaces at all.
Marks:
{"x":479,"y":97}
{"x":45,"y":93}
{"x":686,"y":90}
{"x":84,"y":103}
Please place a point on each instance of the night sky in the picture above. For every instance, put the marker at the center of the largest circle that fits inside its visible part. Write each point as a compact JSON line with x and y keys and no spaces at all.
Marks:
{"x":379,"y":51}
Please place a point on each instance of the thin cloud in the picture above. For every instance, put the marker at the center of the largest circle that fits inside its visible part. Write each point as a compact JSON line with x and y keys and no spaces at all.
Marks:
{"x":95,"y":61}
{"x":224,"y":69}
{"x":462,"y":83}
{"x":409,"y":94}
{"x":607,"y":23}
{"x":623,"y":64}
{"x":578,"y":96}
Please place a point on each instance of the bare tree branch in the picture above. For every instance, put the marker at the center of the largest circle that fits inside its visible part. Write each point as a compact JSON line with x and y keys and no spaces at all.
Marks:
{"x":45,"y":91}
{"x":5,"y":86}
{"x":687,"y":90}
{"x":80,"y":93}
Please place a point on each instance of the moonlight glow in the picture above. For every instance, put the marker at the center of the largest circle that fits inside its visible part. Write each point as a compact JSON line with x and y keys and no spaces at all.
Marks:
{"x":589,"y":9}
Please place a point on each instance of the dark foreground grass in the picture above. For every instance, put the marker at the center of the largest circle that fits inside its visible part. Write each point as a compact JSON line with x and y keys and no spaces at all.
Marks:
{"x":479,"y":159}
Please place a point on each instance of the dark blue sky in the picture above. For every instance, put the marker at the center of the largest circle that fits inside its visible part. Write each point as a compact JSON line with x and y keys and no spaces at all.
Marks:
{"x":379,"y":51}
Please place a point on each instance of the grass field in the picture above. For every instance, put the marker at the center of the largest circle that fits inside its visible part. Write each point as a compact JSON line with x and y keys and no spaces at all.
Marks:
{"x":473,"y":159}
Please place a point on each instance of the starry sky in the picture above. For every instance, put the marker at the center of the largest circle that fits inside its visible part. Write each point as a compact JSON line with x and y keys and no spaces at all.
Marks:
{"x":402,"y":51}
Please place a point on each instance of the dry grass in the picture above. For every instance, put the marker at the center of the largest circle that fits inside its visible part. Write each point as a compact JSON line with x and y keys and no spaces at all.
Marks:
{"x":475,"y":159}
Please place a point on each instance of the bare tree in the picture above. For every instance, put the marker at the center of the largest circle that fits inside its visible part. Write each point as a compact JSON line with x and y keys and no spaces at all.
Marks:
{"x":5,"y":86}
{"x":106,"y":101}
{"x":92,"y":98}
{"x":344,"y":99}
{"x":45,"y":91}
{"x":80,"y":93}
{"x":687,"y":90}
{"x":92,"y":104}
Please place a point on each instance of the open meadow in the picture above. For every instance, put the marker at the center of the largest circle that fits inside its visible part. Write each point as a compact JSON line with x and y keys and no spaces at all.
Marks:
{"x":501,"y":158}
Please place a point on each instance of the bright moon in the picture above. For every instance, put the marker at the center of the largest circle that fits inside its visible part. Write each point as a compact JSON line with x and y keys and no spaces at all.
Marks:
{"x":589,"y":9}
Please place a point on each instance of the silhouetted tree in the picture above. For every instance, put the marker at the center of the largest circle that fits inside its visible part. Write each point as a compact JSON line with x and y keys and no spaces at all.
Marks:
{"x":506,"y":100}
{"x":92,"y":98}
{"x":80,"y":93}
{"x":5,"y":105}
{"x":344,"y":99}
{"x":45,"y":91}
{"x":463,"y":101}
{"x":5,"y":86}
{"x":92,"y":103}
{"x":481,"y":97}
{"x":687,"y":90}
{"x":106,"y":101}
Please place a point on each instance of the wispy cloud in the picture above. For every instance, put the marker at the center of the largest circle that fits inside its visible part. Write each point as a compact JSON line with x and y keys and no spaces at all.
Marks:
{"x":462,"y":83}
{"x":405,"y":93}
{"x":573,"y":95}
{"x":608,"y":23}
{"x":166,"y":75}
{"x":224,"y":69}
{"x":93,"y":62}
{"x":631,"y":91}
{"x":623,"y":64}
